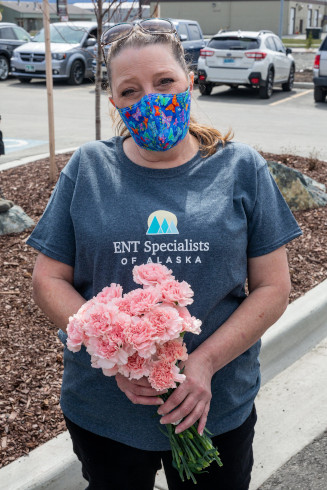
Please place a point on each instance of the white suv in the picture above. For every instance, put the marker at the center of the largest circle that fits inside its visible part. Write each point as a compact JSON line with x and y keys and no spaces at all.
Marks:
{"x":320,"y":73}
{"x":254,"y":59}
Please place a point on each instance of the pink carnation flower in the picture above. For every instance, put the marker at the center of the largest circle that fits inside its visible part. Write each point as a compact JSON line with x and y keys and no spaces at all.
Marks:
{"x":99,"y":318}
{"x":136,"y":367}
{"x":109,"y":293}
{"x":151,"y":274}
{"x":164,"y":375}
{"x":178,"y":293}
{"x":111,"y":372}
{"x":189,"y":323}
{"x":172,"y":351}
{"x":75,"y":334}
{"x":140,"y":301}
{"x":165,"y":319}
{"x":105,"y":354}
{"x":141,"y":334}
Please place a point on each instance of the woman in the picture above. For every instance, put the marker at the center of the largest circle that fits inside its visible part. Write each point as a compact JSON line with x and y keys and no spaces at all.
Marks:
{"x":180,"y":194}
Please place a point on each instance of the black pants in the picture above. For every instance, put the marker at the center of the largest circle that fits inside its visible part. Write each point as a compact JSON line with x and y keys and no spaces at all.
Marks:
{"x":110,"y":465}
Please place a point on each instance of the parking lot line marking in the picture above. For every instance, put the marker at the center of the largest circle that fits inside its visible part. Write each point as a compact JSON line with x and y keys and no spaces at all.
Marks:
{"x":292,"y":97}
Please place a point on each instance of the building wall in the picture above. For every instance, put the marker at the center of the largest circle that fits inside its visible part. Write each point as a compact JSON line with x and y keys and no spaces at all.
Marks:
{"x":8,"y":15}
{"x":33,"y":21}
{"x":247,"y":15}
{"x":302,"y":19}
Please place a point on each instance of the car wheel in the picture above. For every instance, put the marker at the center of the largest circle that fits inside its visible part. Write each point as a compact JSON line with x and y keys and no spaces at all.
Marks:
{"x":319,"y":95}
{"x":24,"y":79}
{"x":287,"y":87}
{"x":4,"y":68}
{"x":267,"y":91}
{"x":205,"y":88}
{"x":77,"y":71}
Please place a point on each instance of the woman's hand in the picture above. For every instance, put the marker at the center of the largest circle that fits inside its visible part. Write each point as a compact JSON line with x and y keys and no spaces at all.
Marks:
{"x":191,"y":400}
{"x":139,"y":391}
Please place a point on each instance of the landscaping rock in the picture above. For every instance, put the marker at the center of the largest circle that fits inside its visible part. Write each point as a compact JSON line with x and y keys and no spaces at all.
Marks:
{"x":5,"y":205}
{"x":14,"y":220}
{"x":300,"y":192}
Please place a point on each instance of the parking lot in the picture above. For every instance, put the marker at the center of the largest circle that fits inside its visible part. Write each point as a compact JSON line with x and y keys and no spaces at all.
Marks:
{"x":288,"y":122}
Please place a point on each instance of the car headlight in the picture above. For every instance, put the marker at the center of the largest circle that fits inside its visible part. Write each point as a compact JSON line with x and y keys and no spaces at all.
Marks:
{"x":58,"y":56}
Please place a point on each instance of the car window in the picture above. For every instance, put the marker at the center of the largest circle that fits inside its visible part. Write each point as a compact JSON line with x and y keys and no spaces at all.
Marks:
{"x":233,"y":42}
{"x":269,"y":42}
{"x":323,"y":47}
{"x":7,"y":33}
{"x":21,"y":34}
{"x":62,"y":34}
{"x":92,"y":34}
{"x":182,"y":29}
{"x":279,"y":44}
{"x":194,"y":32}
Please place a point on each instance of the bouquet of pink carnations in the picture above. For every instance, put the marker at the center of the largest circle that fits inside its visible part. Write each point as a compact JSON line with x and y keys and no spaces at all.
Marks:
{"x":140,"y":333}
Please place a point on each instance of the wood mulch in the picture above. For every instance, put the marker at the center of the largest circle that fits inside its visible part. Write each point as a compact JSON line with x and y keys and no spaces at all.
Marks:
{"x":304,"y":76}
{"x":30,"y":353}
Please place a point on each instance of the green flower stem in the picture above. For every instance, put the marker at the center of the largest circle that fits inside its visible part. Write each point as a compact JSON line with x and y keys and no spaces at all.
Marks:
{"x":191,"y":452}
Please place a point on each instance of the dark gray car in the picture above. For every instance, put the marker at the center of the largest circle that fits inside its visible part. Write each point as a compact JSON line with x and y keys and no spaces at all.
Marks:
{"x":191,"y":36}
{"x":11,"y":36}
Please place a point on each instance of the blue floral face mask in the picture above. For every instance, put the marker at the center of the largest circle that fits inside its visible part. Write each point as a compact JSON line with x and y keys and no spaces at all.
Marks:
{"x":158,"y":122}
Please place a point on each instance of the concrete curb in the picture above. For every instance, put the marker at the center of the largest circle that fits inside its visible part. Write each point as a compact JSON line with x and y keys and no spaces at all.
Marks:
{"x":306,"y":85}
{"x":53,"y":465}
{"x":33,"y":158}
{"x":301,"y":327}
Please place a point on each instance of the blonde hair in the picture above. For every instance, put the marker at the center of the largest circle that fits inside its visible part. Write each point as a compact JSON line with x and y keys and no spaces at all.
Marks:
{"x":208,"y":137}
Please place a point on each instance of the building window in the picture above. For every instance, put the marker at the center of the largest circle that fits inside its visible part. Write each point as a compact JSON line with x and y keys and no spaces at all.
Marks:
{"x":316,"y":18}
{"x":309,"y":18}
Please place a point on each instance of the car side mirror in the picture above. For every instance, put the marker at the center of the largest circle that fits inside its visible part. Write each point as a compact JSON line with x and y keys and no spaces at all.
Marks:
{"x":183,"y":37}
{"x":288,"y":50}
{"x":91,"y":42}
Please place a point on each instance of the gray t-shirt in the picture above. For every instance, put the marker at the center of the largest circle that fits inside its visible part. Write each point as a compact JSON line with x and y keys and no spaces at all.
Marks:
{"x":203,"y":220}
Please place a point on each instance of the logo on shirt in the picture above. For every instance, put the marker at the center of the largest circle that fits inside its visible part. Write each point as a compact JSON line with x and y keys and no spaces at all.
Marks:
{"x":162,"y":223}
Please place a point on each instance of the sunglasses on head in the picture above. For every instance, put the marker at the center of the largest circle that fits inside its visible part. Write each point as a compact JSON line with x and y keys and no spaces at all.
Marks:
{"x":125,"y":29}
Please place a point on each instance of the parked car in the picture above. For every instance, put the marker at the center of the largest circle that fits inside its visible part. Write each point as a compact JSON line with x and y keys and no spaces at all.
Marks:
{"x":254,"y":59}
{"x":11,"y":36}
{"x":320,"y":73}
{"x":191,"y":36}
{"x":71,"y":50}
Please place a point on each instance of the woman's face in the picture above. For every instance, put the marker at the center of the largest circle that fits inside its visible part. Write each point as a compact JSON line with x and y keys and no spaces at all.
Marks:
{"x":136,"y":72}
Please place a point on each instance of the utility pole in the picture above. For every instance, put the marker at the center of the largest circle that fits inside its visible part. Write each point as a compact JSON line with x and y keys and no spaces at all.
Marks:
{"x":281,"y":18}
{"x":140,"y":9}
{"x":49,"y":82}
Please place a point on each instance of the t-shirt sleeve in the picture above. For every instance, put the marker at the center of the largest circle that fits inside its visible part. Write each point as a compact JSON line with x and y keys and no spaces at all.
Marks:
{"x":54,"y":234}
{"x":272,"y":223}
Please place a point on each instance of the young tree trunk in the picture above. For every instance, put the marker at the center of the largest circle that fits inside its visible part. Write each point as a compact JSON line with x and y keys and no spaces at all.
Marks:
{"x":98,"y":75}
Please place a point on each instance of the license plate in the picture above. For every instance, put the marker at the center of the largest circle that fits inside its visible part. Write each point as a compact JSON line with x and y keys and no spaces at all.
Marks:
{"x":29,"y":68}
{"x":229,"y":60}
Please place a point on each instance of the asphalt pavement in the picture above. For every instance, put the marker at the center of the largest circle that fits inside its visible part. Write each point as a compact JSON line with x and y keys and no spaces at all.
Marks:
{"x":307,"y":470}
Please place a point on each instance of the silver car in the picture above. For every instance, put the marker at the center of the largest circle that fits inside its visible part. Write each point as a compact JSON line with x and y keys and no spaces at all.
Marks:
{"x":71,"y":50}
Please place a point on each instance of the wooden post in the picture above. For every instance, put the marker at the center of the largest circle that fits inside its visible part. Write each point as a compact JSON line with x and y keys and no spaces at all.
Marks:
{"x":48,"y":61}
{"x":281,"y":19}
